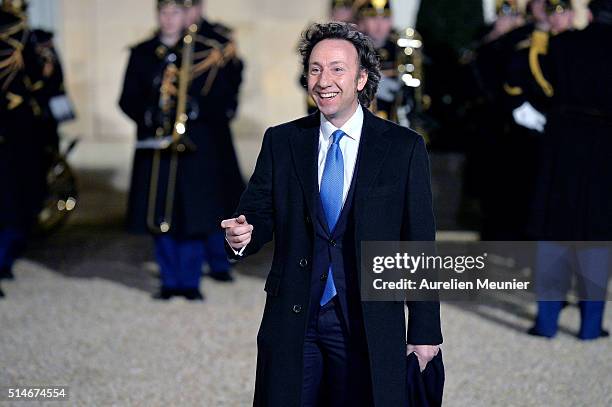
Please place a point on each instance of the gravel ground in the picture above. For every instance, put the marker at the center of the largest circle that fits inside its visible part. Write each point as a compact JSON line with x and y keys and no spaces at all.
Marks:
{"x":112,"y":345}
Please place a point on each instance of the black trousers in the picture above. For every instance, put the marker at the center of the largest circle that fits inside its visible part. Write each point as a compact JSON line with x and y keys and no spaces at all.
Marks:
{"x":336,"y":368}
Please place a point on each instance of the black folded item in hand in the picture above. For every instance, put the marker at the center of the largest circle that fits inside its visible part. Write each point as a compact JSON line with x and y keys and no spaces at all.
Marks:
{"x":425,"y":388}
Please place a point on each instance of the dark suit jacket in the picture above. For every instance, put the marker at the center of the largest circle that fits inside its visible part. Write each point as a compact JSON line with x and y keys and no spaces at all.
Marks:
{"x":392,"y":201}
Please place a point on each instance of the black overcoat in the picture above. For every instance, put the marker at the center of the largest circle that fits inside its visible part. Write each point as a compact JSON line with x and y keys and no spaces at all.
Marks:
{"x":209,"y":183}
{"x":392,"y":201}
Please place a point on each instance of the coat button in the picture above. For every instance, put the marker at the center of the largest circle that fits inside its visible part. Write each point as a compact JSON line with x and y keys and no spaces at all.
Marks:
{"x":323,"y":276}
{"x":333,"y":242}
{"x":303,"y":262}
{"x":297,"y":308}
{"x":308,"y":221}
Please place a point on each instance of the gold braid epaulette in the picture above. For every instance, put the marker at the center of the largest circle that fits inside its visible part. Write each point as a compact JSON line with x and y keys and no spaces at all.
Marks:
{"x":212,"y":59}
{"x":11,"y":60}
{"x":539,"y":46}
{"x":9,"y":30}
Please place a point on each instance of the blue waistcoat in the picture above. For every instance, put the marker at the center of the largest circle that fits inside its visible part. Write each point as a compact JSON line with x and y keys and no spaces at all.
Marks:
{"x":338,"y":247}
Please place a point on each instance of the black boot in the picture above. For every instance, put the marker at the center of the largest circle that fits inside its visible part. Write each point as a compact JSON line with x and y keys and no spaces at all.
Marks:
{"x":533,"y":331}
{"x":192,"y":294}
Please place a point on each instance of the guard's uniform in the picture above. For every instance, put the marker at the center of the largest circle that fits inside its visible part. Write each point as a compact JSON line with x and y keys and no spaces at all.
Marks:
{"x":546,"y":75}
{"x":208,"y":181}
{"x":51,"y":106}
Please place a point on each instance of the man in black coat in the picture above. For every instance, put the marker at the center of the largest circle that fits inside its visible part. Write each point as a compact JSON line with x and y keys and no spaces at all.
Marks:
{"x":322,"y":185}
{"x":208,"y":181}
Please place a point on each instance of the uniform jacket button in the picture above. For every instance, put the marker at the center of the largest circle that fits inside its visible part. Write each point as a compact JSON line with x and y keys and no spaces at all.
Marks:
{"x":308,"y":219}
{"x":303,"y":262}
{"x":333,"y":242}
{"x":297,"y":308}
{"x":323,"y":276}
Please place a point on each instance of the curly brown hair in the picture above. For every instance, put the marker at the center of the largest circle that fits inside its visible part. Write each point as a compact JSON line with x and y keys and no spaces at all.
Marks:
{"x":366,"y":53}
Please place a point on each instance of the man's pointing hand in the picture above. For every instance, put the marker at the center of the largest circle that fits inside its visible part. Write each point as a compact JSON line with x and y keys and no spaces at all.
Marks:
{"x":237,"y":231}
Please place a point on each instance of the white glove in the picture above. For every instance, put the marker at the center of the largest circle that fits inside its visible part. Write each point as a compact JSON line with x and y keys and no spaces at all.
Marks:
{"x":527,"y":116}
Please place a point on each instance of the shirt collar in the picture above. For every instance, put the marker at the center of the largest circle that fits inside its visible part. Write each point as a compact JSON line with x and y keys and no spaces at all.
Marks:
{"x":352,"y":127}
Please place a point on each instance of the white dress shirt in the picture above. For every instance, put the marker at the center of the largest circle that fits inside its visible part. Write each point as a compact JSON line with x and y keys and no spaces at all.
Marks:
{"x":349,"y":145}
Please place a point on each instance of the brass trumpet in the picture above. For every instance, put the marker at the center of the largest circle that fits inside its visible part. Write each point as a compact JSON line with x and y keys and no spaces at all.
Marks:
{"x":178,"y":142}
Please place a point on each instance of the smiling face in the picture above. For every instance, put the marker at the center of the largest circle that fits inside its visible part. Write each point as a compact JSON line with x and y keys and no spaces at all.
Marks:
{"x":335,"y":79}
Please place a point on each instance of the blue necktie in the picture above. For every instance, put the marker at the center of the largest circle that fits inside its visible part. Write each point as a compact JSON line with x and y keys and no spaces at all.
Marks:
{"x":332,"y":183}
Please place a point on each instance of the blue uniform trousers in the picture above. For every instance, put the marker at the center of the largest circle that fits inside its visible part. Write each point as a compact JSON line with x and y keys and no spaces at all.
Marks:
{"x":180,"y":260}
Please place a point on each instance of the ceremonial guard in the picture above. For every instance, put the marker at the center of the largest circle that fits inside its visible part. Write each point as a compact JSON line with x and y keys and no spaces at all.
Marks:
{"x":181,"y":90}
{"x":509,"y":113}
{"x":20,"y":155}
{"x":573,"y":195}
{"x":56,"y":184}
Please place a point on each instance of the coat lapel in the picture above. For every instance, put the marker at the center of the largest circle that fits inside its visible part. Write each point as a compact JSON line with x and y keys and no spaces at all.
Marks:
{"x":304,"y":149}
